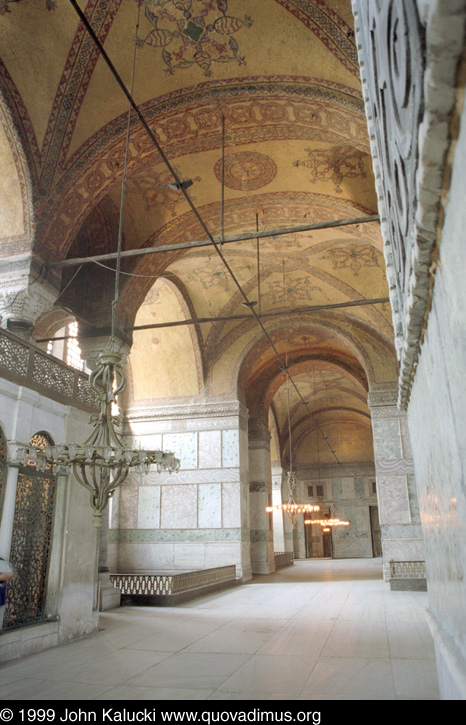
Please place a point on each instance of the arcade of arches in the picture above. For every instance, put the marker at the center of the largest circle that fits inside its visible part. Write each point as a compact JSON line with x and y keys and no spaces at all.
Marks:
{"x":257,"y":333}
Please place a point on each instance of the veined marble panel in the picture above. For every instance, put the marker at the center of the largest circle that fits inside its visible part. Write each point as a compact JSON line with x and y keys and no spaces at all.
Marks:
{"x":347,"y":487}
{"x":403,"y":549}
{"x":142,"y":556}
{"x":210,"y":505}
{"x":337,"y":489}
{"x":387,"y":439}
{"x":149,"y":507}
{"x":184,"y":446}
{"x":359,"y":489}
{"x":230,"y":448}
{"x":393,"y":500}
{"x":394,"y":467}
{"x":231,"y":505}
{"x":149,"y":441}
{"x":170,"y":536}
{"x":210,"y":449}
{"x":179,"y":507}
{"x":205,"y":475}
{"x":128,"y":508}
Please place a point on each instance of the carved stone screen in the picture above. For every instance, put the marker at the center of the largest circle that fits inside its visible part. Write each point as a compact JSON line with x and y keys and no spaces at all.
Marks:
{"x":3,"y":470}
{"x":392,"y":63}
{"x":30,"y":545}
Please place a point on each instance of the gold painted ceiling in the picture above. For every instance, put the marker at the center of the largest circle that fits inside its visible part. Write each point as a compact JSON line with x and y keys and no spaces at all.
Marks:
{"x":259,"y":105}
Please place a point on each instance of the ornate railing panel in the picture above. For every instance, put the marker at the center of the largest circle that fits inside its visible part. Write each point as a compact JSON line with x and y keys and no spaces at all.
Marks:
{"x":170,"y":584}
{"x":26,"y":364}
{"x":30,"y":547}
{"x":407,"y":570}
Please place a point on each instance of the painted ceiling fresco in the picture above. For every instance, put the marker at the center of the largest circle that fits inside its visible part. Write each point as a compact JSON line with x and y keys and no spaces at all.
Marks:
{"x":259,"y":105}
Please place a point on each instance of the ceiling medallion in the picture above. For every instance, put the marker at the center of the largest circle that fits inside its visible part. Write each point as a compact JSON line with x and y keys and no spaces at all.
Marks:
{"x":246,"y":170}
{"x":201,"y":38}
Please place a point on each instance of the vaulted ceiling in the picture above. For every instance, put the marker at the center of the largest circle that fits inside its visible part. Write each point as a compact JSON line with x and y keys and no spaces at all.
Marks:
{"x":259,"y":105}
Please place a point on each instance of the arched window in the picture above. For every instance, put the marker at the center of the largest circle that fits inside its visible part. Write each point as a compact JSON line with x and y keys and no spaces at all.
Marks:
{"x":31,"y":543}
{"x":66,"y":347}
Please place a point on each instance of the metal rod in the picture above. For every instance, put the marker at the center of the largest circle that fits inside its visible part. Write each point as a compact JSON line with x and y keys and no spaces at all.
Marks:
{"x":222,"y":220}
{"x":278,"y":313}
{"x":233,"y":318}
{"x":207,"y":243}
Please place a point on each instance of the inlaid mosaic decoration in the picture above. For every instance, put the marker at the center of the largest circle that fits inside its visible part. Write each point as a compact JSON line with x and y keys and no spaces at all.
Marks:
{"x":190,"y":34}
{"x":4,"y":5}
{"x":246,"y":170}
{"x":336,"y":164}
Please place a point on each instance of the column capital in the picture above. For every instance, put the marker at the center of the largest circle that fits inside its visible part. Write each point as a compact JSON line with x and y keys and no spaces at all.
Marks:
{"x":23,"y":299}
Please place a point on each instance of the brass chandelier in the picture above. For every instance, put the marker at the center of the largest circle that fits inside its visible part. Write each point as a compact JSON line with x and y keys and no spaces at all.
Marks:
{"x":102,"y":463}
{"x":292,"y":509}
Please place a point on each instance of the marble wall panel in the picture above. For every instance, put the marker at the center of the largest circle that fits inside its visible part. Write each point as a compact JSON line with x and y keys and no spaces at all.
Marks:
{"x":230,"y":448}
{"x":206,"y":475}
{"x":210,"y":505}
{"x":337,"y":489}
{"x":222,"y":554}
{"x":359,"y":488}
{"x":145,"y":557}
{"x":184,"y":446}
{"x":149,"y":507}
{"x":347,"y":487}
{"x":387,"y":439}
{"x":393,"y":500}
{"x":210,"y":449}
{"x":128,"y":506}
{"x":231,"y":505}
{"x":179,"y":507}
{"x":189,"y":557}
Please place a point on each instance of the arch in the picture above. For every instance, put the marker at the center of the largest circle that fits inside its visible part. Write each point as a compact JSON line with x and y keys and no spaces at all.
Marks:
{"x":174,"y":367}
{"x":17,"y":171}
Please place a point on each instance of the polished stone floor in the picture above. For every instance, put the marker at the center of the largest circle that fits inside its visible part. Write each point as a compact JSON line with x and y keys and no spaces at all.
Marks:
{"x":320,"y":630}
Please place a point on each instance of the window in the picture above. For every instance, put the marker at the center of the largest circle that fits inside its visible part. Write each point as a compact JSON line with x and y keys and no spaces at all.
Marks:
{"x":374,"y":489}
{"x":66,"y":347}
{"x":320,"y":490}
{"x":310,"y":491}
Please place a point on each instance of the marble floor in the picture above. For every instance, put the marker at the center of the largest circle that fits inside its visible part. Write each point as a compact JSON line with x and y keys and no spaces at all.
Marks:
{"x":320,"y":630}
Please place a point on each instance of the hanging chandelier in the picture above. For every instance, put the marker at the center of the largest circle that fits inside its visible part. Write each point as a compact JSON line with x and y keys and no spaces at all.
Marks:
{"x":102,"y":463}
{"x":326,"y":524}
{"x":292,"y":509}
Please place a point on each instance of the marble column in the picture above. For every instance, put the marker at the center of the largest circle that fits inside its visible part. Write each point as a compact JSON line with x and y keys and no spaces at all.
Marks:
{"x":397,"y":496}
{"x":277,"y":516}
{"x":260,"y":495}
